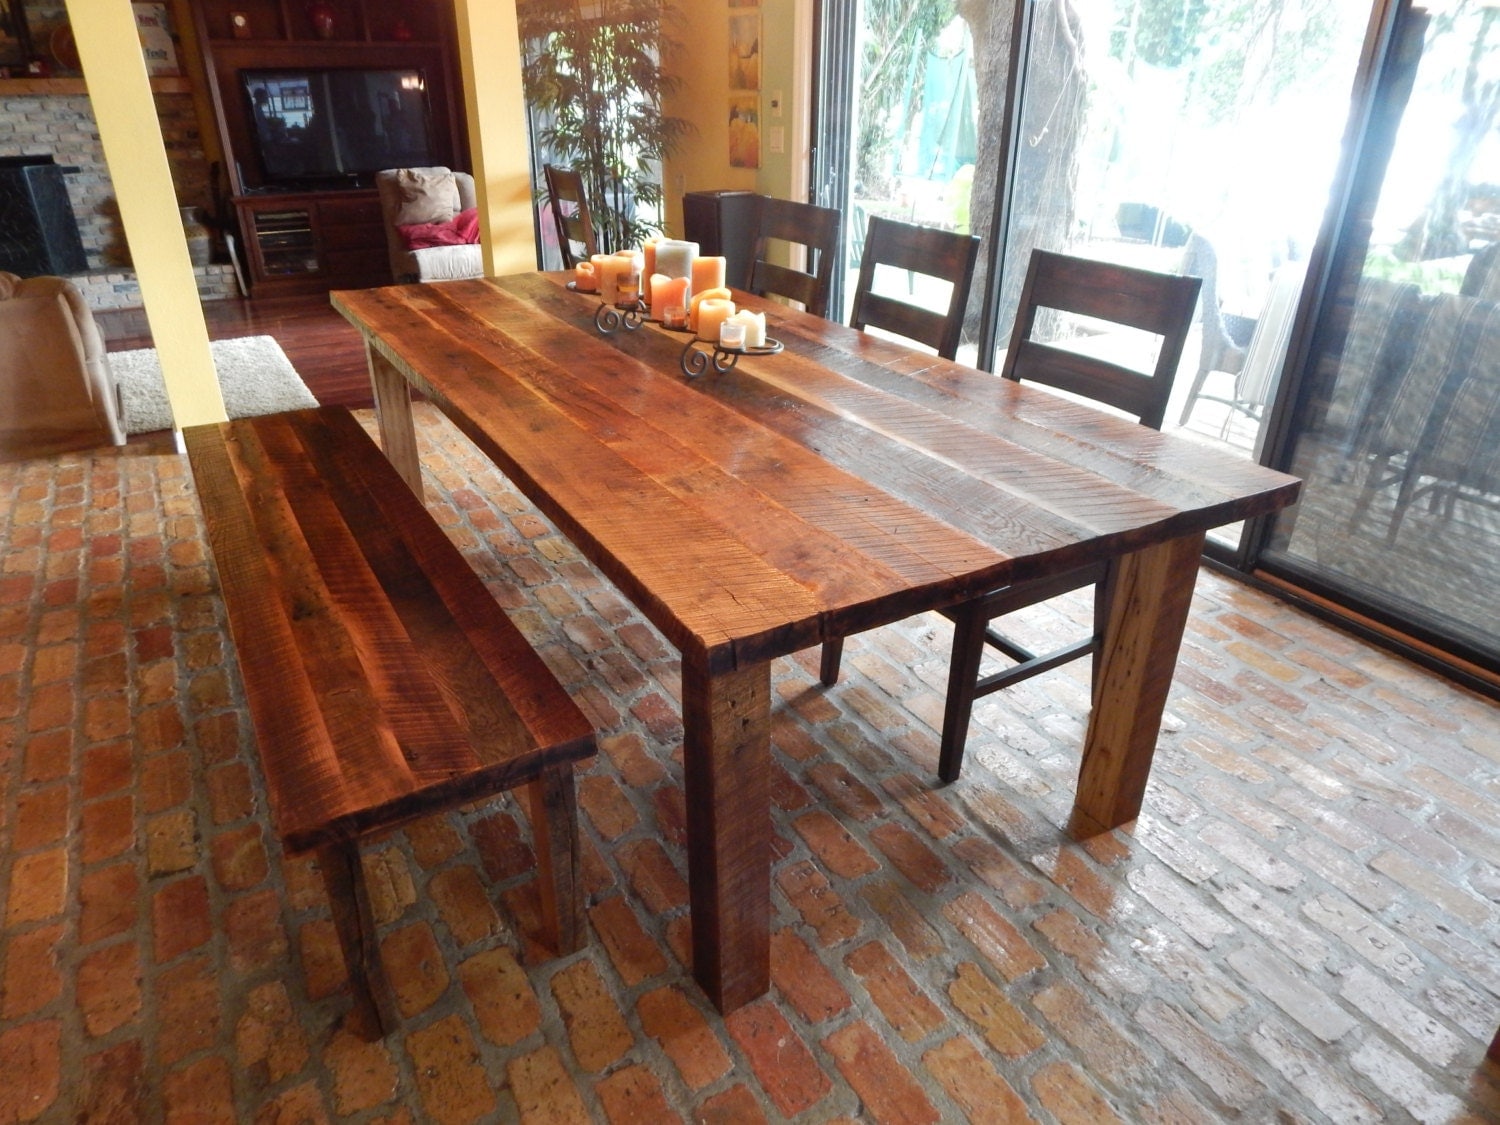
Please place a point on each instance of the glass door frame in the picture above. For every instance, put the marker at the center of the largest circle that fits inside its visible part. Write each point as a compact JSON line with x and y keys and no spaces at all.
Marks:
{"x":1373,"y":120}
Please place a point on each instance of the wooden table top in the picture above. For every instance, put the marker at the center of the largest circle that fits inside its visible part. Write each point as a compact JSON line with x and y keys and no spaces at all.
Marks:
{"x":842,"y":484}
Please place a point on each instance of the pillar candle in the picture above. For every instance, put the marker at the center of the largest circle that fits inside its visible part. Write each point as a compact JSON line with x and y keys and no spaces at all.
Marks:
{"x":605,"y":276}
{"x":668,"y":291}
{"x":627,"y":281}
{"x":628,"y":276}
{"x":654,"y":282}
{"x":675,"y":258}
{"x":755,"y":327}
{"x":648,"y":251}
{"x":708,"y":273}
{"x":712,"y":313}
{"x":699,"y":298}
{"x":585,"y":278}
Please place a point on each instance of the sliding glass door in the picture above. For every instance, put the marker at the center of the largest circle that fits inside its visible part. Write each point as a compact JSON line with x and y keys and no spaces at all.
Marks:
{"x":1396,"y":427}
{"x":1331,"y":169}
{"x":1199,"y":139}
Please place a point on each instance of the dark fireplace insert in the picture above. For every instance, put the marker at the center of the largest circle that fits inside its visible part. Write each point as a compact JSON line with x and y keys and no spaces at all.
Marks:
{"x":38,"y":231}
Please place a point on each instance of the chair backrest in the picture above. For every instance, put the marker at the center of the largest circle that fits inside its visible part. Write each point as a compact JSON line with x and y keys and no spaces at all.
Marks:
{"x":805,"y":224}
{"x":1159,"y":303}
{"x":570,"y":211}
{"x":925,"y":250}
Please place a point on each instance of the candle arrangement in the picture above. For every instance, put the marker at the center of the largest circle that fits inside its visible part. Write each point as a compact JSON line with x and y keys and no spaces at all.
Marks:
{"x":667,"y":280}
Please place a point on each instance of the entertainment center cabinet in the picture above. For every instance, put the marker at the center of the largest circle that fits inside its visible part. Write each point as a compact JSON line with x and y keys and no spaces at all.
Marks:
{"x":311,"y":99}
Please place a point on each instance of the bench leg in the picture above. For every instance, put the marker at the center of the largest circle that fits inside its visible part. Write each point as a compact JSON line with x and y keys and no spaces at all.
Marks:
{"x":554,"y":824}
{"x":349,"y":900}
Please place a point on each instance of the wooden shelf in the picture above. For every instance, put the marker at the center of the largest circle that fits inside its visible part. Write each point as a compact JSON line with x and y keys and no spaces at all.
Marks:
{"x":43,"y":87}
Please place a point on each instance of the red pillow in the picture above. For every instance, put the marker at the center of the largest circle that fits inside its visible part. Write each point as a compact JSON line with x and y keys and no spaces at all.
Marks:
{"x":463,"y":228}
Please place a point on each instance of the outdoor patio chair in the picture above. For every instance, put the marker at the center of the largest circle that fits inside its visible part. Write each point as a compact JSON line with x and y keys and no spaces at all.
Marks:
{"x":1438,"y":433}
{"x":1220,"y":351}
{"x":802,"y":224}
{"x":570,"y":211}
{"x":1161,"y":304}
{"x":926,"y":250}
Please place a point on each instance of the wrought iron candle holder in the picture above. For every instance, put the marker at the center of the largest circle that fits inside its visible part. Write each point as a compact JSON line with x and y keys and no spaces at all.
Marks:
{"x":609,"y":318}
{"x":696,"y":360}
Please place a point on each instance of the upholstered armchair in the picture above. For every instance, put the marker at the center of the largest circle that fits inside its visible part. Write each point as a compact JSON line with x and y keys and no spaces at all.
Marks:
{"x":56,"y":389}
{"x":428,"y":213}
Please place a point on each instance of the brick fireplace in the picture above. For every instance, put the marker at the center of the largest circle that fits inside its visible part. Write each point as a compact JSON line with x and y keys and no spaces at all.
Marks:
{"x":62,"y":125}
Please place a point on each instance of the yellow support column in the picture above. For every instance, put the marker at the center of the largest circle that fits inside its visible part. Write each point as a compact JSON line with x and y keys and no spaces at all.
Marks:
{"x":489,"y":47}
{"x":120,"y":91}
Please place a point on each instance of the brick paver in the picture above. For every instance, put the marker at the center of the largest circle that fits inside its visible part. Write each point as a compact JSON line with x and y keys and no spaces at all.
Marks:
{"x":1301,"y":926}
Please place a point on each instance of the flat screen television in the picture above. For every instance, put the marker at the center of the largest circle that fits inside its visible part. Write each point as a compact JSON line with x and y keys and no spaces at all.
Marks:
{"x":316,"y":126}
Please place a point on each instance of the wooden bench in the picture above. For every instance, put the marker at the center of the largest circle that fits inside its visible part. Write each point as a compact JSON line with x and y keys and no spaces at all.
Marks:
{"x":383,"y":681}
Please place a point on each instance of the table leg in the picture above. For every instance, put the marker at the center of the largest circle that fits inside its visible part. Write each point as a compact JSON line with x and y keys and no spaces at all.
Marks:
{"x":398,"y":433}
{"x":1149,"y":592}
{"x":727,"y":721}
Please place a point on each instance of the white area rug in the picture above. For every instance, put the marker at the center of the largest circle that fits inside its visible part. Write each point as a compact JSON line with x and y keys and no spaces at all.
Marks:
{"x":255,"y":377}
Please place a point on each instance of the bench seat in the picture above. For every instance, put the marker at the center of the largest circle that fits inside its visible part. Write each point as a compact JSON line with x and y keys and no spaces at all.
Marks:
{"x":383,"y":681}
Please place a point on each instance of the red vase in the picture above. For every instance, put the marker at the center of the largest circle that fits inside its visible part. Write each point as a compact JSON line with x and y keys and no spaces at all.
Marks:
{"x":321,"y":15}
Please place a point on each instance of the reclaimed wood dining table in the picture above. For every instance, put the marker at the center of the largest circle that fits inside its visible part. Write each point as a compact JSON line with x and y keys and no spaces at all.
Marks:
{"x":843,"y":484}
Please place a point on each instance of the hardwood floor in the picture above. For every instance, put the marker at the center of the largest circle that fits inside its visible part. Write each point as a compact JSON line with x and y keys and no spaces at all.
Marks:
{"x":323,"y":347}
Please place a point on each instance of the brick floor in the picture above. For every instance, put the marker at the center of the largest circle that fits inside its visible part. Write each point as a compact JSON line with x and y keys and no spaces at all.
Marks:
{"x":1302,"y":925}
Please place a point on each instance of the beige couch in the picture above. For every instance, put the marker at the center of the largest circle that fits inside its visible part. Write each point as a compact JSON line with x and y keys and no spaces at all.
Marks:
{"x":56,"y":389}
{"x":420,"y":195}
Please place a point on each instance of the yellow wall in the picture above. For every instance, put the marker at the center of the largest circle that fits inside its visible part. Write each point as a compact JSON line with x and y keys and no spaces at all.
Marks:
{"x":489,"y":48}
{"x":131,"y":138}
{"x":701,"y":162}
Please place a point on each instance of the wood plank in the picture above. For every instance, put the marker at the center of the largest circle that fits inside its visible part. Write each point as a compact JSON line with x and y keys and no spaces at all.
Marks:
{"x":346,"y":656}
{"x":727,"y":719}
{"x":287,"y":708}
{"x":398,"y":434}
{"x":477,"y":629}
{"x":554,"y":827}
{"x":1148,"y":593}
{"x":416,"y":691}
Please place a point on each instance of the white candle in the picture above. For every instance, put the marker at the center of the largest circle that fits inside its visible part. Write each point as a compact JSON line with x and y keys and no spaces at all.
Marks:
{"x":712,"y":313}
{"x":754,"y":324}
{"x":675,"y":258}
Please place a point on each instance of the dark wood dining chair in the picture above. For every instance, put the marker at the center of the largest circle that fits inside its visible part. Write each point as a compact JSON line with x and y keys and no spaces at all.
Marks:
{"x":925,"y":250}
{"x":803,"y":224}
{"x":570,"y":211}
{"x":1161,"y":304}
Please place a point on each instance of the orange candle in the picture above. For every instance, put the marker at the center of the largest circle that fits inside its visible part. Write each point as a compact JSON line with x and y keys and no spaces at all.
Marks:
{"x":667,"y":292}
{"x":699,"y":298}
{"x":585,"y":278}
{"x":605,"y":267}
{"x":648,"y":250}
{"x":708,"y":273}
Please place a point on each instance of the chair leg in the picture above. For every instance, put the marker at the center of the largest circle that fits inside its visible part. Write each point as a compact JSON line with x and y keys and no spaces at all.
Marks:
{"x":963,"y":674}
{"x":375,"y":1014}
{"x":554,"y":825}
{"x":833,"y":655}
{"x":1197,"y":389}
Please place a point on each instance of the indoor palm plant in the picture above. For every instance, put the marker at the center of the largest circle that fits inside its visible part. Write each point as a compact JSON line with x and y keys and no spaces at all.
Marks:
{"x":594,"y":85}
